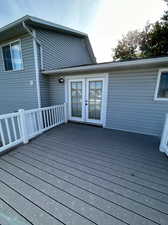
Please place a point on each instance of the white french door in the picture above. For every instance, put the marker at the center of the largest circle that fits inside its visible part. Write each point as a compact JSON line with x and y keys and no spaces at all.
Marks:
{"x":86,"y":100}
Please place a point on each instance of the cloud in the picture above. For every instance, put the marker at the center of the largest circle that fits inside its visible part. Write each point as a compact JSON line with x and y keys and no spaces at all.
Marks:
{"x":104,"y":20}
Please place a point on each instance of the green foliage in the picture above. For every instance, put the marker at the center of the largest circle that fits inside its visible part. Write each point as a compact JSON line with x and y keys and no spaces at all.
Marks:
{"x":151,"y":42}
{"x":128,"y":47}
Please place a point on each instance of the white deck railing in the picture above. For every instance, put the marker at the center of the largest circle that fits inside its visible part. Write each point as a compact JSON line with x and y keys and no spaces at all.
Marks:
{"x":20,"y":127}
{"x":164,"y":138}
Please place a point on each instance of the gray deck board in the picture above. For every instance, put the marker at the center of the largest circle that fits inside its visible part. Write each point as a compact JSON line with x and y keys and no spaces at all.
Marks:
{"x":113,"y":165}
{"x":78,"y":174}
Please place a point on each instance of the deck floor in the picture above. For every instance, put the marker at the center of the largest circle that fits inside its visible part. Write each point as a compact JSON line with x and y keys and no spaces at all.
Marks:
{"x":78,"y":174}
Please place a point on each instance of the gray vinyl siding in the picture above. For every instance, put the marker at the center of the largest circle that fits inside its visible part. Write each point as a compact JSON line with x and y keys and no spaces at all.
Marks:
{"x":131,"y":104}
{"x":56,"y":91}
{"x":62,"y":50}
{"x":43,"y":82}
{"x":15,"y":89}
{"x":44,"y":90}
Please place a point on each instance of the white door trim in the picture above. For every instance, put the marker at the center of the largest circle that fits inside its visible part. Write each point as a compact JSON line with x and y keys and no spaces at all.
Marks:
{"x":94,"y":76}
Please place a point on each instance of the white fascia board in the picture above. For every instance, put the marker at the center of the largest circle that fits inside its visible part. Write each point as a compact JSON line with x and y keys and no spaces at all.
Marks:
{"x":112,"y":65}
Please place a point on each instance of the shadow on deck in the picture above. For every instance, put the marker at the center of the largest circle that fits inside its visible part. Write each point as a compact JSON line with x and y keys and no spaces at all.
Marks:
{"x":78,"y":174}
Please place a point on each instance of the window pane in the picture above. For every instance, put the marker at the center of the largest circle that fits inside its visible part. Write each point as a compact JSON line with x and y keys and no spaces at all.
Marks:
{"x":16,"y":56}
{"x":163,"y":86}
{"x":76,"y":99}
{"x":95,"y":99}
{"x":7,"y":57}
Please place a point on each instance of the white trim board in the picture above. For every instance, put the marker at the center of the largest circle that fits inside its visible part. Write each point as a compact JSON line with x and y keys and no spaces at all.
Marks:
{"x":85,"y":76}
{"x":157,"y":85}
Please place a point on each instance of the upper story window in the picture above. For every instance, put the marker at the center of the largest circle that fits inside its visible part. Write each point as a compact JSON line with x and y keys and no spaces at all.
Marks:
{"x":162,"y":86}
{"x":12,"y":56}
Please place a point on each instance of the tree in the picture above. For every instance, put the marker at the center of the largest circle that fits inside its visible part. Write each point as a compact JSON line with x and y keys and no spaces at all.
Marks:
{"x":128,"y":47}
{"x":151,"y":42}
{"x":154,"y":41}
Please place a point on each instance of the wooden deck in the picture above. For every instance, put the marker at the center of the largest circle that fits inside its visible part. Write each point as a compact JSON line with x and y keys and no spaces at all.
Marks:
{"x":78,"y":175}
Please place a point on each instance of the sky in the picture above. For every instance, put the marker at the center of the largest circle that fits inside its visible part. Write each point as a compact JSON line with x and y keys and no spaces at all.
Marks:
{"x":105,"y":21}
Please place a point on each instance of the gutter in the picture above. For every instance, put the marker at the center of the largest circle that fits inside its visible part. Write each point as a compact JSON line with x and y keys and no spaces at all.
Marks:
{"x":31,"y":33}
{"x":109,"y":66}
{"x":35,"y":42}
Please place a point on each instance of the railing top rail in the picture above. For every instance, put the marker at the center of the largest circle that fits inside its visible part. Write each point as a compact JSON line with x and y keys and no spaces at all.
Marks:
{"x":42,"y":109}
{"x":9,"y":115}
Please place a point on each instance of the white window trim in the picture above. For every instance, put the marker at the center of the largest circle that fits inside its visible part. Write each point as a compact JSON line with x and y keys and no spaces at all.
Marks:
{"x":10,"y":43}
{"x":157,"y":86}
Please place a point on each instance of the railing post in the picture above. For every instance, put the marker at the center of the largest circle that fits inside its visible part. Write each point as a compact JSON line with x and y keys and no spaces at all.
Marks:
{"x":164,"y":137}
{"x":23,"y":126}
{"x":65,"y":113}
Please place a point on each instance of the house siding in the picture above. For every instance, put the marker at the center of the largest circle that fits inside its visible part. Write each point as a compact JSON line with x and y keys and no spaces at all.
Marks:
{"x":56,"y":91}
{"x":131,"y":104}
{"x":62,"y":50}
{"x":58,"y":50}
{"x":16,"y":90}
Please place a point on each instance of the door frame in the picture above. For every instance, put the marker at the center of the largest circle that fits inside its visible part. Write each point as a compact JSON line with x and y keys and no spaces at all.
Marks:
{"x":105,"y":76}
{"x":103,"y":100}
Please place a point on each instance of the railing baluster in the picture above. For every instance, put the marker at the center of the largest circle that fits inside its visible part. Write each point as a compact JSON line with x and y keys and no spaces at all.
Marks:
{"x":53,"y":116}
{"x":47,"y":113}
{"x":19,"y":126}
{"x":2,"y":134}
{"x":14,"y":128}
{"x":44,"y":118}
{"x":8,"y":130}
{"x":56,"y":114}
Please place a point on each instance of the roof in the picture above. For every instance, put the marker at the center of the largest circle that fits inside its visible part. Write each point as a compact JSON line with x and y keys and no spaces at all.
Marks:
{"x":114,"y":65}
{"x":16,"y":27}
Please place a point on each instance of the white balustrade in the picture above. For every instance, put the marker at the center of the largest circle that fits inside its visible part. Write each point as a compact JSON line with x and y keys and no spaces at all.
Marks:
{"x":20,"y":127}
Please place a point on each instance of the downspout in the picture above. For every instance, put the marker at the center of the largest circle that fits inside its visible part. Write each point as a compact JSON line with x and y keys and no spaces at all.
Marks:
{"x":35,"y":42}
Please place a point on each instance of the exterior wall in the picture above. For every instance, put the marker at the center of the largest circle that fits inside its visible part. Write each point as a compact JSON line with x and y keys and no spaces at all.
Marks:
{"x":16,"y":90}
{"x":58,"y":50}
{"x":56,"y":91}
{"x":61,"y":50}
{"x":131,"y":104}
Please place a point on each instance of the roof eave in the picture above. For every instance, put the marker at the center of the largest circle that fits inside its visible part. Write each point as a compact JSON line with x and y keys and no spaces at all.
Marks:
{"x":110,"y":66}
{"x":45,"y":24}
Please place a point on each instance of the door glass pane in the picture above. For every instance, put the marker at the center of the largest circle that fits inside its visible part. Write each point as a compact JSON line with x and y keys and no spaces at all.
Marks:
{"x":95,"y":99}
{"x":76,"y":99}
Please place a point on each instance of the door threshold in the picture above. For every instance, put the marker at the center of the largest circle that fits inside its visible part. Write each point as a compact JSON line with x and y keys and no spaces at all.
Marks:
{"x":86,"y":123}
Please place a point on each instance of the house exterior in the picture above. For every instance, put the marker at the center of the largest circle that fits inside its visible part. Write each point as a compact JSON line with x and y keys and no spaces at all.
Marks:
{"x":57,"y":65}
{"x":43,"y":46}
